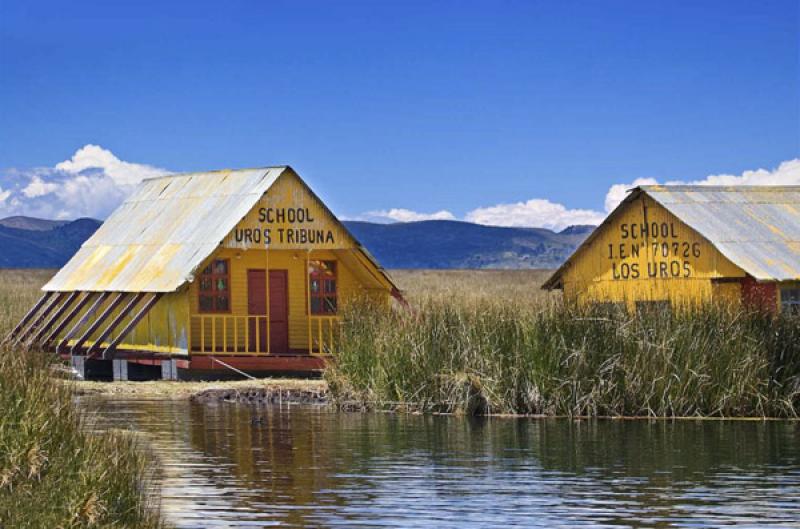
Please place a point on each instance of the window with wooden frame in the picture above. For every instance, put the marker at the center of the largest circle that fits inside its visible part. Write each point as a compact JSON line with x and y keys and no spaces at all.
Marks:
{"x":215,"y":287}
{"x":322,"y":287}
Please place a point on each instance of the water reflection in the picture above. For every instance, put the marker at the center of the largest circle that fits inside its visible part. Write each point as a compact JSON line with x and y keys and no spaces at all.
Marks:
{"x":241,"y":466}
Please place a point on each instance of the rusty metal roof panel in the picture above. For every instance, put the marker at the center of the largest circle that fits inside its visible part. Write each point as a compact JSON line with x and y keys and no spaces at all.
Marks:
{"x":159,"y":236}
{"x":756,"y":227}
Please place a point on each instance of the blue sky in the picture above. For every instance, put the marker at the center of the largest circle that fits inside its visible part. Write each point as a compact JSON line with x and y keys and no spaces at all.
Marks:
{"x":456,"y":107}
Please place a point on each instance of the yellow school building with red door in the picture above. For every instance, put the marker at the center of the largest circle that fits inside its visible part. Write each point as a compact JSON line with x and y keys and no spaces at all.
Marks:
{"x":217,"y":271}
{"x":681,"y":246}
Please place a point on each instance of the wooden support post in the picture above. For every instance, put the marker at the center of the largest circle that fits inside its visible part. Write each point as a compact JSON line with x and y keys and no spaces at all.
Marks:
{"x":52,"y":319}
{"x":97,"y":323}
{"x":65,"y":321}
{"x":77,"y":327}
{"x":266,"y":282}
{"x":109,"y":351}
{"x":308,"y":302}
{"x":25,"y":319}
{"x":37,"y":320}
{"x":116,"y":320}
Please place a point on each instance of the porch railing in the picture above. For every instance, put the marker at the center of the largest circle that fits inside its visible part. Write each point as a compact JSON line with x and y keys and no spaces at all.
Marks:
{"x":323,"y":334}
{"x":250,"y":335}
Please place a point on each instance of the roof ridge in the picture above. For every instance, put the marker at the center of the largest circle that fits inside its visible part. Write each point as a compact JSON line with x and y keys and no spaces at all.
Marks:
{"x":730,"y":188}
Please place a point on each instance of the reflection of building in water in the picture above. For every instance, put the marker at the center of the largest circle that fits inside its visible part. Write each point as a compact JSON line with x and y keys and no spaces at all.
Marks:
{"x":679,"y":245}
{"x":203,"y":271}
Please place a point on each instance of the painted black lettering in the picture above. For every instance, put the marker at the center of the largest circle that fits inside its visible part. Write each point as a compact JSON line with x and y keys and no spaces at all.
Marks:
{"x":635,"y":250}
{"x":622,"y":253}
{"x":662,"y":268}
{"x":280,"y":216}
{"x":664,"y":249}
{"x":309,"y":218}
{"x":267,"y":236}
{"x":329,"y":237}
{"x":280,"y":235}
{"x":262,"y":214}
{"x":675,"y":268}
{"x":635,"y":270}
{"x":686,"y":249}
{"x":675,"y":248}
{"x":696,"y":249}
{"x":652,"y":269}
{"x":610,"y":251}
{"x":614,"y":274}
{"x":687,"y":270}
{"x":672,"y":230}
{"x":624,"y":229}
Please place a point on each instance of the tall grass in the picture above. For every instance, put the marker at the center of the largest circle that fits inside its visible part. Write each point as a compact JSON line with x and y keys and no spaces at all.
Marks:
{"x":54,"y":473}
{"x":472,"y":354}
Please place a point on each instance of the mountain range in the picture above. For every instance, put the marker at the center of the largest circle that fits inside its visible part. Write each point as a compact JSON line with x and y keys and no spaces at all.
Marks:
{"x":39,"y":243}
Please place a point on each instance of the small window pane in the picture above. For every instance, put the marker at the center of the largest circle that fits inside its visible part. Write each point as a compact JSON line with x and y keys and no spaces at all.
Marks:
{"x":206,"y":303}
{"x":222,"y":303}
{"x":330,"y":305}
{"x":220,"y":267}
{"x":315,"y":286}
{"x":330,"y":286}
{"x":222,"y":285}
{"x":316,"y":305}
{"x":207,"y":270}
{"x":205,"y":284}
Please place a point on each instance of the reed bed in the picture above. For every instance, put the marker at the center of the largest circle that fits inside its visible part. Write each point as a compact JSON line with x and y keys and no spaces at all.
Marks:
{"x":54,"y":472}
{"x":463,"y":351}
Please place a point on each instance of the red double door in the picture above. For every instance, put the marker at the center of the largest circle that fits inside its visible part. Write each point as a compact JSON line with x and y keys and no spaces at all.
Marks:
{"x":278,"y":310}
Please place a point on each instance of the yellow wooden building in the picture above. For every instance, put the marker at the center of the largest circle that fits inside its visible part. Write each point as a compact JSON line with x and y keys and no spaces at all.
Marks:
{"x":233,"y":270}
{"x":685,"y":245}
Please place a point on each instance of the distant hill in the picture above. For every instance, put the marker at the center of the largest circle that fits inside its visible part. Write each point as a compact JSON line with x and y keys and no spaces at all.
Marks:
{"x":453,"y":244}
{"x":27,"y":242}
{"x":38,"y":243}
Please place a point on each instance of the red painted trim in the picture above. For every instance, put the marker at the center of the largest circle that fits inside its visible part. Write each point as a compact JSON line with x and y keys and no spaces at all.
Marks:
{"x":760,"y":296}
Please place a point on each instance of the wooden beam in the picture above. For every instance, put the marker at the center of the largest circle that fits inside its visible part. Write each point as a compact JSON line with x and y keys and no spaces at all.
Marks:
{"x":113,"y":304}
{"x":74,"y":330}
{"x":25,"y":319}
{"x":54,"y":301}
{"x":113,"y":324}
{"x":65,"y":321}
{"x":109,"y":351}
{"x":52,"y":319}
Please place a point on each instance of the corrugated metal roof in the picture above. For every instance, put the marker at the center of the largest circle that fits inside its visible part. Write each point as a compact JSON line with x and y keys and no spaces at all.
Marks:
{"x":158,"y":237}
{"x":756,"y":227}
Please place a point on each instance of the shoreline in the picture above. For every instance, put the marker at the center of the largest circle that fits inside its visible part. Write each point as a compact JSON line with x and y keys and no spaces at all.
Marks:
{"x":316,"y":392}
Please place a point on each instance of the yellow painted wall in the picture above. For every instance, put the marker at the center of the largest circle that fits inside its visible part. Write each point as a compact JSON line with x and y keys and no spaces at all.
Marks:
{"x":163,"y":329}
{"x":667,"y":261}
{"x":289,"y":217}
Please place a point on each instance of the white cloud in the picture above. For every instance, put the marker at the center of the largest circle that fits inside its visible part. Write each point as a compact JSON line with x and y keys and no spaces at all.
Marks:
{"x":91,"y":183}
{"x":38,"y":187}
{"x":787,"y":173}
{"x":542,"y":213}
{"x":93,"y":157}
{"x":403,"y":215}
{"x":617,"y":192}
{"x":536,"y":212}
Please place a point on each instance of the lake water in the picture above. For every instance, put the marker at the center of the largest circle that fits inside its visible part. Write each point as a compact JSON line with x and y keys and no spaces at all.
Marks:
{"x":235,"y":465}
